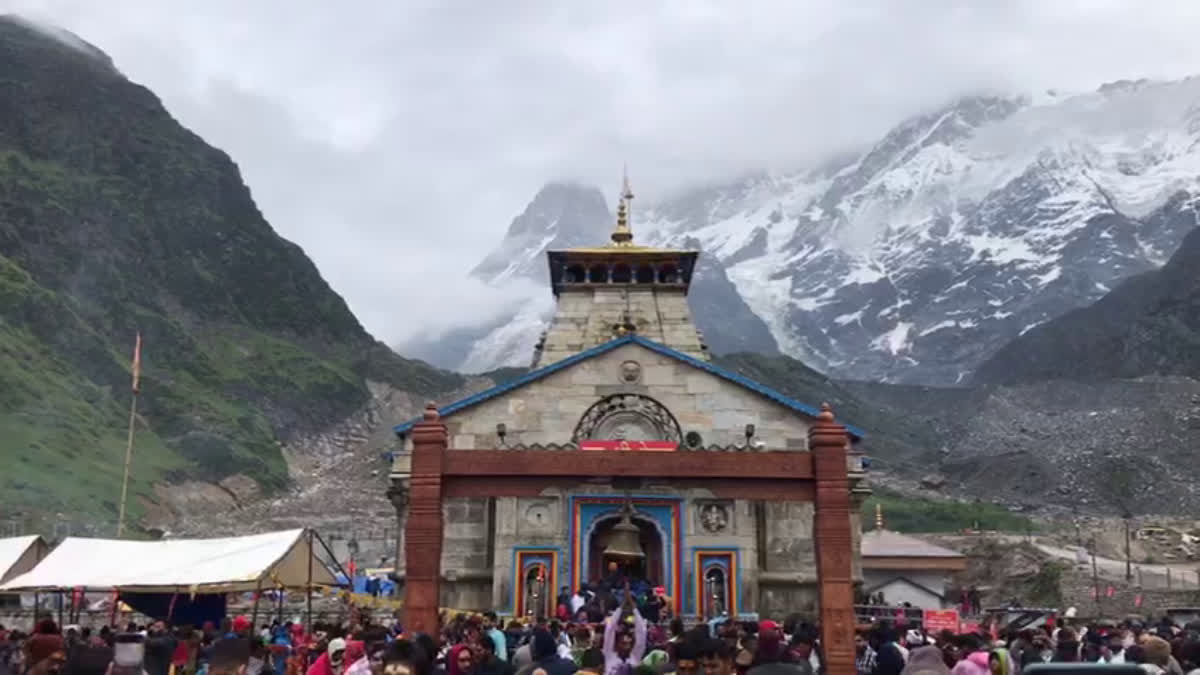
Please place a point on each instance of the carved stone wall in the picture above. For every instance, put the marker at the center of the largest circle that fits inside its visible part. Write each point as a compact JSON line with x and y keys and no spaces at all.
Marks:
{"x":537,"y":522}
{"x":585,"y":319}
{"x":548,"y":410}
{"x":465,"y":554}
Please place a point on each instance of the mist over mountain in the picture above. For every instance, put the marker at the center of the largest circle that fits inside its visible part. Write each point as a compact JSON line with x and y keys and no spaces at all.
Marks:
{"x":916,"y":260}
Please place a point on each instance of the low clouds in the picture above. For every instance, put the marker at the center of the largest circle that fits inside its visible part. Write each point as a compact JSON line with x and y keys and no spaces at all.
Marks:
{"x":394,"y":141}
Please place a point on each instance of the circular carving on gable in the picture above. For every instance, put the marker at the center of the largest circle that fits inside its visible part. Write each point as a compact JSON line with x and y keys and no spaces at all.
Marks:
{"x":631,"y":372}
{"x":538,"y":515}
{"x":627,"y":417}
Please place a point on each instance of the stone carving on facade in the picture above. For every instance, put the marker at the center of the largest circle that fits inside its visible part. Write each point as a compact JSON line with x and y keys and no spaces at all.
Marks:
{"x":631,"y":372}
{"x":538,"y":515}
{"x":628,"y":417}
{"x":714,"y":517}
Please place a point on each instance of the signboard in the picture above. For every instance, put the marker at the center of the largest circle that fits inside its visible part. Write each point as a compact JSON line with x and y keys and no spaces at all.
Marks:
{"x":637,"y":446}
{"x":938,"y":620}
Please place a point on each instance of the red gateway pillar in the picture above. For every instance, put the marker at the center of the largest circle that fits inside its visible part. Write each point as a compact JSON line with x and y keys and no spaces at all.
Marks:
{"x":834,"y":544}
{"x":423,"y":531}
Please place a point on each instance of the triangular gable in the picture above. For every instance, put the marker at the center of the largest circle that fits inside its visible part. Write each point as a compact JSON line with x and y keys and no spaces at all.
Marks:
{"x":534,"y":375}
{"x":905,"y":580}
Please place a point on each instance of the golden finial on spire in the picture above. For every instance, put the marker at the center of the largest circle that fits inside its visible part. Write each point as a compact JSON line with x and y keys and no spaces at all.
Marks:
{"x":623,"y":236}
{"x":878,"y":516}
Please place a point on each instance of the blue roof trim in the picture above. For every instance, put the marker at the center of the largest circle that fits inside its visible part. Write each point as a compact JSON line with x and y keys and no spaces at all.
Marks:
{"x":538,"y":374}
{"x":531,"y":376}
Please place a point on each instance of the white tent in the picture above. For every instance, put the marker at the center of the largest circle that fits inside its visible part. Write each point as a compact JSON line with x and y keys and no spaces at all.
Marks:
{"x":18,"y":555}
{"x":226,"y":565}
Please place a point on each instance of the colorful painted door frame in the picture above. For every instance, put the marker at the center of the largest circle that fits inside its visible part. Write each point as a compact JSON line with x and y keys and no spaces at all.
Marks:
{"x":665,"y":512}
{"x":819,"y":475}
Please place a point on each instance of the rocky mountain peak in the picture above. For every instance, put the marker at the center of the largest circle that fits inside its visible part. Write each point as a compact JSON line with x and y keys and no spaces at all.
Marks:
{"x":562,"y":215}
{"x":957,"y":231}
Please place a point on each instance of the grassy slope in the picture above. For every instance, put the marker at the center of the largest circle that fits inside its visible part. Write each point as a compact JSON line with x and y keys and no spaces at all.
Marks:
{"x":907,"y":514}
{"x":115,"y":219}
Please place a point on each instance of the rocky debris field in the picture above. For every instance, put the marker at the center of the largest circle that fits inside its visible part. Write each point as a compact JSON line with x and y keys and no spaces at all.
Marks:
{"x":1053,"y":447}
{"x":339,"y":484}
{"x":1015,"y":571}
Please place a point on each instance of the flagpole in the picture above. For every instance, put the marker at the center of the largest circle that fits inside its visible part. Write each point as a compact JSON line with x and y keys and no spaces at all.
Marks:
{"x":128,"y":459}
{"x":136,"y":367}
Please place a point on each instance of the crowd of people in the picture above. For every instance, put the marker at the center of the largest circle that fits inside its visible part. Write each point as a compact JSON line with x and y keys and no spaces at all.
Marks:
{"x":1161,"y":649}
{"x":624,"y":643}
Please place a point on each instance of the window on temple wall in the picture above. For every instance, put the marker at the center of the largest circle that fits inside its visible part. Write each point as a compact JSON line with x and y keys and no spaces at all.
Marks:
{"x":575,"y":274}
{"x":715,"y":602}
{"x":598,"y":274}
{"x":668,"y":275}
{"x":645,"y":274}
{"x":622,"y":274}
{"x":535,"y":603}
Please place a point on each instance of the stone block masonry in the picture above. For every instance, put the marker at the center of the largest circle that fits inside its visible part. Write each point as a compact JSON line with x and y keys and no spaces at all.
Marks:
{"x":546,"y":411}
{"x":585,"y":318}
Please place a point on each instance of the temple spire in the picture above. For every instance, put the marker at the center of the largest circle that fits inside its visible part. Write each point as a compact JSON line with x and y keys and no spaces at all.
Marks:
{"x":879,"y":517}
{"x":622,"y":235}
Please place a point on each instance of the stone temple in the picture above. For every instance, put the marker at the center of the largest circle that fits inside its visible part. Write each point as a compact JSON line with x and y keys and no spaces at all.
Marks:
{"x":622,"y":368}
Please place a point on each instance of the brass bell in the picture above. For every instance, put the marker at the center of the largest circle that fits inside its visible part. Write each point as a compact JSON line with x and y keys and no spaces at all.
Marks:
{"x":624,"y":541}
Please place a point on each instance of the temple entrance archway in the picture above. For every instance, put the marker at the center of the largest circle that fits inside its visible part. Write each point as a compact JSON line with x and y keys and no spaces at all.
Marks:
{"x":820,"y":475}
{"x":652,"y":568}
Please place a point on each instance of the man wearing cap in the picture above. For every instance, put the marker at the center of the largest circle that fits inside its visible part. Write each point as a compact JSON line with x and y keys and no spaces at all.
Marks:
{"x":240,"y":628}
{"x":333,"y":661}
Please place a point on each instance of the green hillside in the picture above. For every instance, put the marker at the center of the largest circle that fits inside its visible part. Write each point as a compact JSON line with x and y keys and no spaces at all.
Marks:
{"x":115,"y":219}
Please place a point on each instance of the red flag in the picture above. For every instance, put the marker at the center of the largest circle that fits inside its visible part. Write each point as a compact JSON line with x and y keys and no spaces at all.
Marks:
{"x":137,"y":362}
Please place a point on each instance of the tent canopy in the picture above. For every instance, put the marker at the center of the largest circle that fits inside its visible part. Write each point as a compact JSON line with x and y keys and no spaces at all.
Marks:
{"x":18,"y":555}
{"x":181,"y":565}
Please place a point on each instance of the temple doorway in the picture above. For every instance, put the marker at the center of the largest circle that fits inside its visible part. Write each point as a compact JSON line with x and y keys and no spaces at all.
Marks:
{"x":651,"y":569}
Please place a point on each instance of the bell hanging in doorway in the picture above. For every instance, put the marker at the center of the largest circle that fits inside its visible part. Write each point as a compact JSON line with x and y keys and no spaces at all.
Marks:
{"x":624,"y":541}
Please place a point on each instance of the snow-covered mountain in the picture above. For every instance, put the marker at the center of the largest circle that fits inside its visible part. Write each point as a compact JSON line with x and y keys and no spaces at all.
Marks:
{"x":916,"y":260}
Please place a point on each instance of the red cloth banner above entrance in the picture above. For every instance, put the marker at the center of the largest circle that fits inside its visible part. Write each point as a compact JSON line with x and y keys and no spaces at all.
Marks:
{"x":938,"y":620}
{"x":638,"y":446}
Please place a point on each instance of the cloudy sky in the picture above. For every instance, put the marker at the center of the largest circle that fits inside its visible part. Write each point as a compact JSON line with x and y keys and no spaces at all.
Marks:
{"x":395,"y":139}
